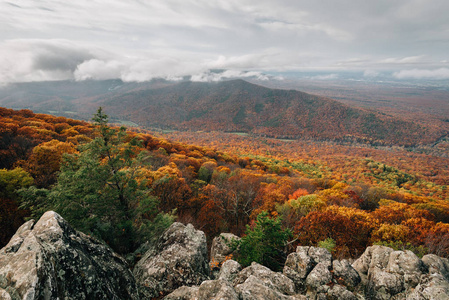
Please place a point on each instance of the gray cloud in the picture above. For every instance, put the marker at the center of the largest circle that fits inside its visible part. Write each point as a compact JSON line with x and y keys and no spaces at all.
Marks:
{"x":34,"y":60}
{"x":139,"y":40}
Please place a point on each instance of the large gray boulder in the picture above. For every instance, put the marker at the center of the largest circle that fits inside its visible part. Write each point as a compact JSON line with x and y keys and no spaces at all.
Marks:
{"x":309,"y":268}
{"x":273,"y":280}
{"x":50,"y":260}
{"x":345,"y":274}
{"x":383,"y":285}
{"x":334,"y":292}
{"x":208,"y":290}
{"x":183,"y":293}
{"x":178,"y":259}
{"x":319,"y":255}
{"x":217,"y":290}
{"x":253,"y":288}
{"x":431,"y":287}
{"x":319,"y":276}
{"x":220,"y":248}
{"x":389,"y":274}
{"x":297,"y":266}
{"x":229,"y":270}
{"x":409,"y":266}
{"x":436,"y":265}
{"x":374,"y":256}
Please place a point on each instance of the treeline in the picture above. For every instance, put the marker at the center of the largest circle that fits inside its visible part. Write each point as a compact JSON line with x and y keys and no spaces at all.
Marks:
{"x":124,"y":187}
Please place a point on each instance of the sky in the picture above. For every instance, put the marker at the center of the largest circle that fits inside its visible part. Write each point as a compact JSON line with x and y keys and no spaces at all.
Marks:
{"x":138,"y":40}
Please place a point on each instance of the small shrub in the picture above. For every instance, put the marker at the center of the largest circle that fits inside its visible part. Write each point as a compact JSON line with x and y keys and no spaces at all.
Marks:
{"x":328,"y":244}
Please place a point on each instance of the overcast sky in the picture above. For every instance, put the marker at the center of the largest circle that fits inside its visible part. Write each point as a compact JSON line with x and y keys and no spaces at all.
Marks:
{"x":137,"y":40}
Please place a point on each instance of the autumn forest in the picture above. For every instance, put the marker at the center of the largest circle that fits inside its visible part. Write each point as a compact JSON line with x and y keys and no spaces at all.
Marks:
{"x":348,"y":196}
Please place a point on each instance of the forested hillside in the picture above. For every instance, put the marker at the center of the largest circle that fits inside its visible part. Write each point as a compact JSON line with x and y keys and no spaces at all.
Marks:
{"x":244,"y":107}
{"x":124,"y":187}
{"x":230,"y":106}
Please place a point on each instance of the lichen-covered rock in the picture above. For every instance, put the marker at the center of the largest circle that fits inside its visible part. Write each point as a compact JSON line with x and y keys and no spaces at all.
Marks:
{"x":408,"y":265}
{"x":50,"y":260}
{"x":184,"y":293}
{"x":320,"y":275}
{"x":255,"y":289}
{"x":217,"y":290}
{"x":179,"y":258}
{"x":220,"y":248}
{"x":273,"y":280}
{"x":403,"y":262}
{"x":345,"y":274}
{"x":383,"y":285}
{"x":334,"y":292}
{"x":432,"y":287}
{"x":229,"y":270}
{"x":374,"y":256}
{"x":320,"y":256}
{"x":436,"y":265}
{"x":389,"y":274}
{"x":297,"y":266}
{"x":4,"y":295}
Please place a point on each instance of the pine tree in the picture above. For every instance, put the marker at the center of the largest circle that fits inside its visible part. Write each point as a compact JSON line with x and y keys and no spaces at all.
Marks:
{"x":100,"y":192}
{"x":264,"y":243}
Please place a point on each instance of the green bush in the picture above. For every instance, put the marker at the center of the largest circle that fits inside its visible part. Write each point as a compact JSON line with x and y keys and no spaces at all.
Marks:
{"x":328,"y":244}
{"x":264,"y":243}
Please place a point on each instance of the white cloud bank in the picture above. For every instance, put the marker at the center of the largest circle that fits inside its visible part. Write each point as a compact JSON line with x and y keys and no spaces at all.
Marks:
{"x":440,"y":74}
{"x":140,"y":40}
{"x":40,"y":60}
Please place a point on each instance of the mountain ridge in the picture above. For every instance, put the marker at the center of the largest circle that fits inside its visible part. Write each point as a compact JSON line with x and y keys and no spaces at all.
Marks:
{"x":240,"y":106}
{"x":230,"y":106}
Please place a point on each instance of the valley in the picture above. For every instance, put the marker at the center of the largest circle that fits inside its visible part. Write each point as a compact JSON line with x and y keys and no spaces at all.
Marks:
{"x":219,"y":154}
{"x":239,"y":106}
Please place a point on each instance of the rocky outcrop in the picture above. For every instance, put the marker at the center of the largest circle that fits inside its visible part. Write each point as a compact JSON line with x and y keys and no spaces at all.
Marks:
{"x":273,"y":280}
{"x":297,"y":266}
{"x":253,"y":282}
{"x":220,"y":248}
{"x":50,"y":260}
{"x":178,"y":259}
{"x":217,"y":289}
{"x":184,"y":293}
{"x":208,"y":290}
{"x":431,"y":287}
{"x":229,"y":270}
{"x":315,"y":274}
{"x":345,"y":274}
{"x":436,"y":265}
{"x":389,"y":274}
{"x":311,"y":273}
{"x":253,"y":288}
{"x":220,"y":251}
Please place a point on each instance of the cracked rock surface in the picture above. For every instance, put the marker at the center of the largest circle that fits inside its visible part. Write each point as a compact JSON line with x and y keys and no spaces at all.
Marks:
{"x":178,"y":259}
{"x":51,"y":260}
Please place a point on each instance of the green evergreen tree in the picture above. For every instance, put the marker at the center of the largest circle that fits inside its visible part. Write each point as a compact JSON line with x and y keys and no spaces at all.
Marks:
{"x":264,"y":243}
{"x":99,"y":191}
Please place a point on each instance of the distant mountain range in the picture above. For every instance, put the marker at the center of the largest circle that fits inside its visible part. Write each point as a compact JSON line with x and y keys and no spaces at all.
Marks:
{"x":232,"y":106}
